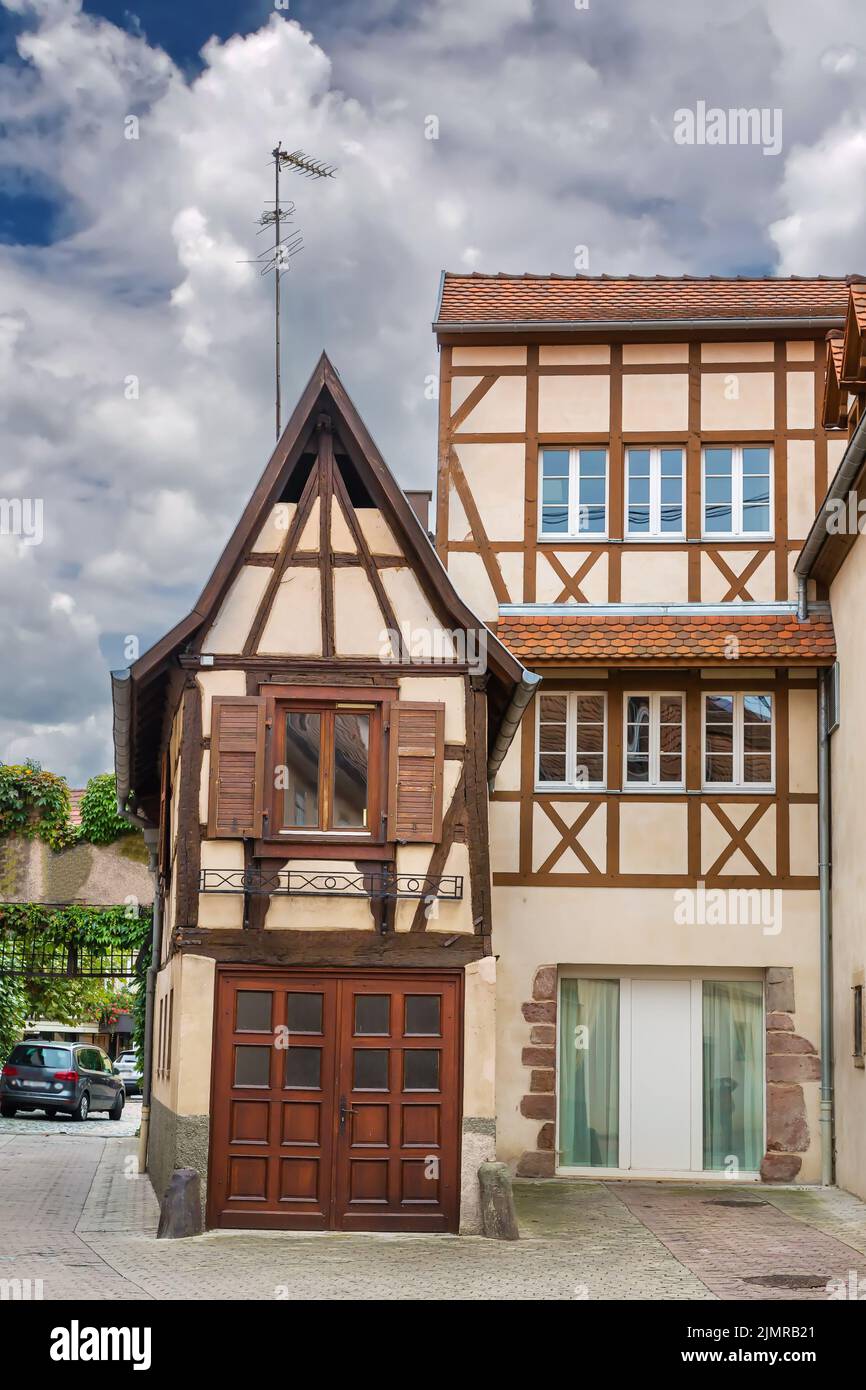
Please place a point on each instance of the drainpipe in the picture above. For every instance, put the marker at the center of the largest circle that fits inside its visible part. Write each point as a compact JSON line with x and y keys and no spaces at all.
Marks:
{"x":802,"y":598}
{"x":529,"y":683}
{"x":151,"y":839}
{"x":826,"y":931}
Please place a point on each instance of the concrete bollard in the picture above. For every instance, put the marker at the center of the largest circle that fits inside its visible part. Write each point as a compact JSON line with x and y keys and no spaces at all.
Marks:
{"x":498,"y":1218}
{"x":180,"y":1211}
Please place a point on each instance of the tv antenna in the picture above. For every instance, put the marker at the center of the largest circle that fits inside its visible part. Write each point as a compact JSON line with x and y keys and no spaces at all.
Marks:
{"x":287,"y":243}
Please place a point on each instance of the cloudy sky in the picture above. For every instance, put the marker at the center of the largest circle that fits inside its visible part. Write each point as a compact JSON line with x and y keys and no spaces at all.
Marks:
{"x":124,"y":258}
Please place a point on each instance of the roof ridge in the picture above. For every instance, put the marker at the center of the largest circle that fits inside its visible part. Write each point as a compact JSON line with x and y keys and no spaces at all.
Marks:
{"x":685,"y":276}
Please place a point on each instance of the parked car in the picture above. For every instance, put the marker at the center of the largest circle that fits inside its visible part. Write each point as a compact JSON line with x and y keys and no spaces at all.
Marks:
{"x":127,"y":1068}
{"x":75,"y":1078}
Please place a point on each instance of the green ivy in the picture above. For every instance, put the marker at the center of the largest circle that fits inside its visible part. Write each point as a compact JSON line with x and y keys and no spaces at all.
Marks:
{"x":97,"y":929}
{"x":100,"y":823}
{"x":35,"y":804}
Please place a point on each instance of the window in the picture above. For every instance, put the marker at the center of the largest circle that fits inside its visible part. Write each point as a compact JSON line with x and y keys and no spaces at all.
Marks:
{"x":654,"y":492}
{"x":573,"y":492}
{"x":654,"y":740}
{"x":322,"y":777}
{"x":737,"y":490}
{"x":738,"y":740}
{"x":857,"y":993}
{"x":571,"y":739}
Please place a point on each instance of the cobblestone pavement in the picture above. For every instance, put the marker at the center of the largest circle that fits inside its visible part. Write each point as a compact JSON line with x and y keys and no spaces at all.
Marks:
{"x":35,"y":1122}
{"x":74,"y":1214}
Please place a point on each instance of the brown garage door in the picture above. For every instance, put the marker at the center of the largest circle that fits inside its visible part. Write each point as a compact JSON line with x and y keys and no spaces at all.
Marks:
{"x":336,"y":1100}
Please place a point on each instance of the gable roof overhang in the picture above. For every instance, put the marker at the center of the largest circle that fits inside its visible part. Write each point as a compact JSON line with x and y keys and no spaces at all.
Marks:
{"x":140,"y":693}
{"x":825,"y":549}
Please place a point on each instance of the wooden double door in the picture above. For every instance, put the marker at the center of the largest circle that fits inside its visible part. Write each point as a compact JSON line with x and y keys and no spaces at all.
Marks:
{"x":336,"y":1100}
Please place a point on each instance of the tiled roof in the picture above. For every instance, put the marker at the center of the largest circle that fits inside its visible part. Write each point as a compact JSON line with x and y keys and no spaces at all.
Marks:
{"x":858,"y":300}
{"x":505,"y":299}
{"x":668,"y":639}
{"x":836,"y":344}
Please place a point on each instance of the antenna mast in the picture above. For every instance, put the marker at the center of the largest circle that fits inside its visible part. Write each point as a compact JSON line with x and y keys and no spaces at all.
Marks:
{"x":285,"y":245}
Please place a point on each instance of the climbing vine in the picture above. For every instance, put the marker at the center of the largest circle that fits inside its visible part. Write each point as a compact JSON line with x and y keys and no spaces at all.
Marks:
{"x":35,"y":804}
{"x":98,"y":930}
{"x":100,"y":823}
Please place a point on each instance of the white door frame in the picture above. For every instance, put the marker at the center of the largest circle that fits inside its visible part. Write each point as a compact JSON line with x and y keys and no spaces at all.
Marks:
{"x":697,"y":1173}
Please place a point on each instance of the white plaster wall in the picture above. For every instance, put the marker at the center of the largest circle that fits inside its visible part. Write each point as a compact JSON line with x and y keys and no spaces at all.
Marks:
{"x":620,"y":927}
{"x":573,"y":354}
{"x":359,"y":625}
{"x":580,"y":403}
{"x":273,"y":533}
{"x":294,"y":624}
{"x":661,"y":576}
{"x":496,"y":477}
{"x":848,"y":764}
{"x":657,"y":401}
{"x":237,"y":611}
{"x":801,"y":400}
{"x":748,"y":404}
{"x":801,"y":487}
{"x":501,"y":410}
{"x":502,"y":355}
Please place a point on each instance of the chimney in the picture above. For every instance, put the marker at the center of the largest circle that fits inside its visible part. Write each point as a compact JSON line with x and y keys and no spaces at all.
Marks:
{"x":420,"y":504}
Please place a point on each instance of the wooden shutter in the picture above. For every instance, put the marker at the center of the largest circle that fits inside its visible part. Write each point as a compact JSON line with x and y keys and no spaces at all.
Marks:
{"x":237,"y":764}
{"x":416,"y":763}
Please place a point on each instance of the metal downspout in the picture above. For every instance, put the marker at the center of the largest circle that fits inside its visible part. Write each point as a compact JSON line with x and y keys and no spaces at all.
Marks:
{"x":151,"y":838}
{"x":826,"y":930}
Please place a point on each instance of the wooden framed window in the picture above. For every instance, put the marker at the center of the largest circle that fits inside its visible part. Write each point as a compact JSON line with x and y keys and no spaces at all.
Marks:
{"x":738,"y":740}
{"x":654,"y":741}
{"x":654,"y":491}
{"x":573,"y":493}
{"x":319,"y":765}
{"x":327,"y":774}
{"x":738,"y":490}
{"x":571,"y":740}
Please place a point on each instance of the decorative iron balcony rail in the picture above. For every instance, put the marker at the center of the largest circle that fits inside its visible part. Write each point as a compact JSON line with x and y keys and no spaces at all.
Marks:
{"x":303,"y":883}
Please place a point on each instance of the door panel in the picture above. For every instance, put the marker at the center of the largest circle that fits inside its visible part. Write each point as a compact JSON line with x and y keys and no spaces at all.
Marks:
{"x":661,"y":1116}
{"x":398,"y":1083}
{"x":336,"y":1101}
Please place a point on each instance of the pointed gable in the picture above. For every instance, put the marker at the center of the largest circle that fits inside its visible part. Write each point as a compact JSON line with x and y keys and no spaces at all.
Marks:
{"x":328,"y":562}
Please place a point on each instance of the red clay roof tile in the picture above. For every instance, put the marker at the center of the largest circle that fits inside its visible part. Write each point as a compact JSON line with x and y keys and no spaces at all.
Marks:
{"x":563,"y":299}
{"x":631,"y":639}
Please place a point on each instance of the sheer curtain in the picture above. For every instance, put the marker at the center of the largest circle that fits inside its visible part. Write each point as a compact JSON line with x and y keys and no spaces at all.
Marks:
{"x":733,"y":1073}
{"x":589,"y":1073}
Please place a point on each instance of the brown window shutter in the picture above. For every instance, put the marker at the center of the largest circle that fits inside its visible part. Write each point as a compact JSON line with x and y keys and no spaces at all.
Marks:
{"x":237,"y":766}
{"x":416,"y":764}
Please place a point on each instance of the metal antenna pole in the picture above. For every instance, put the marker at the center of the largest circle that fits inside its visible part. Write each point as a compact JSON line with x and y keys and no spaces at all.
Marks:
{"x":284,"y":248}
{"x":276,"y":154}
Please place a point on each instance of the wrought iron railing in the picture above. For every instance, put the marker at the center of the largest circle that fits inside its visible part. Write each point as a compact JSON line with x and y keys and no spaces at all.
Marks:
{"x":40,"y":959}
{"x":328,"y":884}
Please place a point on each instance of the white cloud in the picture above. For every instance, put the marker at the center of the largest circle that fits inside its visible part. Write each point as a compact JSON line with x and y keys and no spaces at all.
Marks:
{"x":553,"y":127}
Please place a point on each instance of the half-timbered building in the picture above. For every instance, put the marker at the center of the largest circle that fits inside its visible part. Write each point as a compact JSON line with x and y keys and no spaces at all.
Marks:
{"x":627,"y":471}
{"x":314,"y":742}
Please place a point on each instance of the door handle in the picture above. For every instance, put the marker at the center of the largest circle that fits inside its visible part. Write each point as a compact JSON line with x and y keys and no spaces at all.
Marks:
{"x":344,"y":1111}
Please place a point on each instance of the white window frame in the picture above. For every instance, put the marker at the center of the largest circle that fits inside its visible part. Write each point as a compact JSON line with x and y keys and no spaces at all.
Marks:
{"x":572,"y":783}
{"x":698,"y":977}
{"x":655,"y":532}
{"x":655,"y":698}
{"x":739,"y":697}
{"x":574,"y":533}
{"x":737,"y":493}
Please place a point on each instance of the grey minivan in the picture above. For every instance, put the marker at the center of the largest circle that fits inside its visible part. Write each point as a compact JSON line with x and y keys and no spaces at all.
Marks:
{"x":73,"y":1077}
